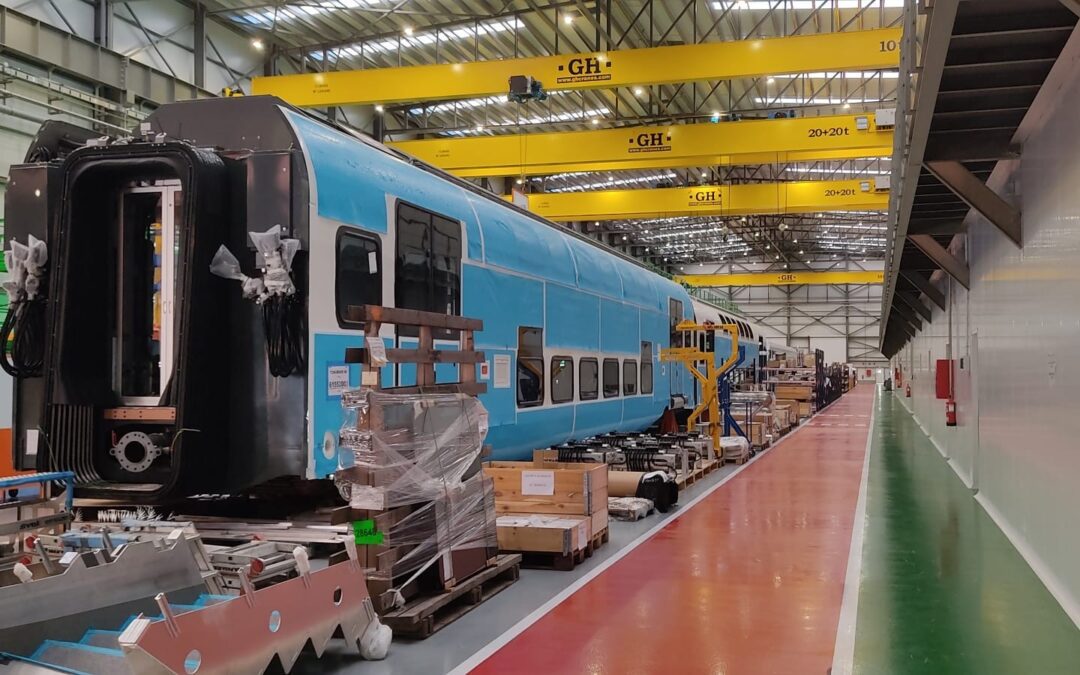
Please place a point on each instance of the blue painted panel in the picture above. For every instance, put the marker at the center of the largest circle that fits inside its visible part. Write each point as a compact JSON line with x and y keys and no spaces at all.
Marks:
{"x":618,"y":328}
{"x":353,"y":178}
{"x":535,"y":428}
{"x":330,"y":351}
{"x":599,"y":417}
{"x":504,"y":302}
{"x":573,"y":318}
{"x":516,"y":242}
{"x":596,"y":270}
{"x":637,"y":284}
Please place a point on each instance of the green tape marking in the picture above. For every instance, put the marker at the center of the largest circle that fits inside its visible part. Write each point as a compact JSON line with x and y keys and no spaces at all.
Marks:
{"x":365,"y":533}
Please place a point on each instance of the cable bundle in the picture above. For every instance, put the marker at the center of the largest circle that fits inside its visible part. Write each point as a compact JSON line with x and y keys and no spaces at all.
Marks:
{"x":283,"y":323}
{"x":22,"y":337}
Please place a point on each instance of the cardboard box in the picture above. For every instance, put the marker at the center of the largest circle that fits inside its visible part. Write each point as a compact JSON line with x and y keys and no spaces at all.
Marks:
{"x":537,"y":532}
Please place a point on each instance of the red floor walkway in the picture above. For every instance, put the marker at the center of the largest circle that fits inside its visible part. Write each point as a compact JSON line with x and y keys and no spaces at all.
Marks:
{"x":747,"y":581}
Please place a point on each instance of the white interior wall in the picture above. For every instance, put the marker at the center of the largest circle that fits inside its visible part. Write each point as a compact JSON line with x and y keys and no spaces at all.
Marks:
{"x":1018,"y":330}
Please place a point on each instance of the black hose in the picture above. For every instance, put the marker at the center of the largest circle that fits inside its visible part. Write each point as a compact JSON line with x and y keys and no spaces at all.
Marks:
{"x":22,"y":337}
{"x":286,"y":334}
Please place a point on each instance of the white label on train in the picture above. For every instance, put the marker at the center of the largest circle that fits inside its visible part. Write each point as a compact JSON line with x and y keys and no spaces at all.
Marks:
{"x":538,"y":483}
{"x":485,"y":371}
{"x":502,"y":371}
{"x":337,"y":380}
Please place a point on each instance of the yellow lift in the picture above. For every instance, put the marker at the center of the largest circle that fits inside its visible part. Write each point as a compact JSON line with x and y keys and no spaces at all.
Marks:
{"x":783,"y":278}
{"x":711,"y":200}
{"x":656,"y":147}
{"x":690,"y":357}
{"x":853,"y":50}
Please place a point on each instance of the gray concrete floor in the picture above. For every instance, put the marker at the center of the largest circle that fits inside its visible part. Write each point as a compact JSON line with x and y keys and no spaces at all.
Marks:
{"x":454,"y":644}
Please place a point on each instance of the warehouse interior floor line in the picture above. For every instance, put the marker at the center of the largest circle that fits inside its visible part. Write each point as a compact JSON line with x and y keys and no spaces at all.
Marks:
{"x":758,"y":563}
{"x":942,"y":589}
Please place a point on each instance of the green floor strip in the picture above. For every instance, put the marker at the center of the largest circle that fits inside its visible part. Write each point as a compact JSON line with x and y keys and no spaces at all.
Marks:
{"x":942,"y":590}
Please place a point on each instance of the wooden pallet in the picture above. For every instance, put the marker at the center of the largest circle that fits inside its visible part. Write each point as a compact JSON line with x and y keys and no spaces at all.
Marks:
{"x":563,"y":562}
{"x":424,"y":616}
{"x":683,"y":480}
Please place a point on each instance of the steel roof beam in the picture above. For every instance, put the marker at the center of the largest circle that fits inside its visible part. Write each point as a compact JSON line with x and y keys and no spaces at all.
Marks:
{"x":782,"y":278}
{"x":802,"y":139}
{"x":916,"y":304}
{"x":906,"y":314}
{"x":978,"y":196}
{"x":926,"y":287}
{"x":855,"y":50}
{"x":955,"y":268}
{"x":711,"y":200}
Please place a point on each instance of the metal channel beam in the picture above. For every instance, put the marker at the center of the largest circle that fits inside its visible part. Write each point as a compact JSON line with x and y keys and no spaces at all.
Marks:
{"x":854,"y":50}
{"x":657,"y":147}
{"x":906,"y":314}
{"x":782,"y":278}
{"x":916,"y":305}
{"x":942,"y":258}
{"x":926,"y":57}
{"x":711,"y":200}
{"x":928,"y":289}
{"x":28,"y":38}
{"x":978,"y":196}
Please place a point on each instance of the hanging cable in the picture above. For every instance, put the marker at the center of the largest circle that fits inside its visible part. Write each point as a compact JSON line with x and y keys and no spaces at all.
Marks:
{"x":22,"y":335}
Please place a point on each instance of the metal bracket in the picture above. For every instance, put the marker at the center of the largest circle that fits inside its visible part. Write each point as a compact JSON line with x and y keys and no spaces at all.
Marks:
{"x":978,"y":196}
{"x":942,"y":258}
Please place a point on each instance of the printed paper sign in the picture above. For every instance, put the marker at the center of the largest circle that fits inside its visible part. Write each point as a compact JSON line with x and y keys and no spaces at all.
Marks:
{"x":502,"y":371}
{"x":538,"y":483}
{"x":485,"y":371}
{"x":376,"y":350}
{"x":337,"y":380}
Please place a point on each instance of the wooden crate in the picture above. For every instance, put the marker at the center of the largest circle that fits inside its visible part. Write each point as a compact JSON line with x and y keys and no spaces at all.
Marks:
{"x":755,"y":432}
{"x":537,"y":532}
{"x":797,"y":391}
{"x":553,"y":488}
{"x":804,"y":409}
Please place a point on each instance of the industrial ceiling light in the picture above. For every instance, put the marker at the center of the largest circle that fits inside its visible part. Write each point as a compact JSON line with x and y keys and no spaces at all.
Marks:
{"x":379,"y":108}
{"x":479,"y":127}
{"x":624,"y":237}
{"x":800,"y":251}
{"x":519,"y":181}
{"x":257,"y":44}
{"x":409,"y":30}
{"x":767,"y":247}
{"x":595,"y":121}
{"x":704,"y":174}
{"x":638,"y":91}
{"x":847,"y":106}
{"x":568,"y":19}
{"x":770,"y":80}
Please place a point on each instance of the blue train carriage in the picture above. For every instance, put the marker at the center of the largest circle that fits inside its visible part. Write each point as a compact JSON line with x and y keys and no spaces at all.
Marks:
{"x":572,"y":331}
{"x":167,"y":390}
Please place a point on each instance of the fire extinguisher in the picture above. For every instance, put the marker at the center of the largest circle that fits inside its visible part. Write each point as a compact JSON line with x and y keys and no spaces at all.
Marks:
{"x":907,"y":391}
{"x":950,"y":413}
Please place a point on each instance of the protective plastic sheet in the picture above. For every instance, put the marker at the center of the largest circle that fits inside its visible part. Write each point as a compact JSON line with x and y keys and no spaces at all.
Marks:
{"x":414,"y":451}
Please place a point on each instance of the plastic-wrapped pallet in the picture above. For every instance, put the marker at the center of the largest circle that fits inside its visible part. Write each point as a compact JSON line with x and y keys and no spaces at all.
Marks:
{"x":629,"y":508}
{"x":734,"y":449}
{"x":411,"y":462}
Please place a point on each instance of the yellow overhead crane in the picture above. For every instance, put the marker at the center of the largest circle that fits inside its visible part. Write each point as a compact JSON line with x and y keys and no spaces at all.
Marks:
{"x":852,"y":50}
{"x":783,"y":278}
{"x":800,"y":139}
{"x":711,"y":200}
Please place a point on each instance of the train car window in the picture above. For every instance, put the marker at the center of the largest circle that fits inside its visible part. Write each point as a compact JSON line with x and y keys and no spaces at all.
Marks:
{"x":629,"y":377}
{"x":562,"y":379}
{"x":357,"y":274}
{"x":530,"y":367}
{"x":428,"y":265}
{"x":590,"y":379}
{"x":611,"y":377}
{"x":710,"y":342}
{"x":646,"y":368}
{"x":746,"y":329}
{"x":675,"y":315}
